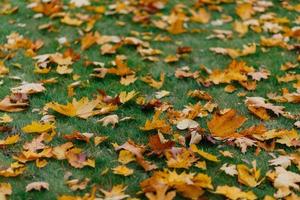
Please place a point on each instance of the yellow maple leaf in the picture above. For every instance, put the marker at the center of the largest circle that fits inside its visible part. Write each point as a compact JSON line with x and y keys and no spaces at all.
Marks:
{"x":225,"y":125}
{"x":82,"y":108}
{"x":204,"y":154}
{"x":153,"y":83}
{"x":9,"y":140}
{"x":249,"y":177}
{"x":235,"y":193}
{"x":38,"y":127}
{"x":122,"y":170}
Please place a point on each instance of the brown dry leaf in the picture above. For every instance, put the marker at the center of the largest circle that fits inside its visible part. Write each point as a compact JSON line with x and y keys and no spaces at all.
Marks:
{"x":37,"y":186}
{"x":235,"y":193}
{"x":29,"y":88}
{"x":259,"y":102}
{"x":159,"y":145}
{"x":82,"y":108}
{"x":245,"y":11}
{"x":225,"y":125}
{"x":122,"y":170}
{"x":153,"y":83}
{"x":138,"y":152}
{"x":78,"y":159}
{"x":76,"y":135}
{"x":76,"y":184}
{"x":14,"y":103}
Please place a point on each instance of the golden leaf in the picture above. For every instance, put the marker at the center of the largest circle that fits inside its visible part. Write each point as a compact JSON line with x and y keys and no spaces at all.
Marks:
{"x":204,"y":154}
{"x":38,"y":127}
{"x":225,"y":126}
{"x":153,"y":83}
{"x":249,"y":177}
{"x":161,"y":193}
{"x":244,"y":11}
{"x":122,"y":170}
{"x":235,"y":193}
{"x":9,"y":140}
{"x":82,"y":108}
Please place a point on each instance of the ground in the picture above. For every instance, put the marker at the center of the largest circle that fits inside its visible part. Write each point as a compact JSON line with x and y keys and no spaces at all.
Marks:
{"x":23,"y":22}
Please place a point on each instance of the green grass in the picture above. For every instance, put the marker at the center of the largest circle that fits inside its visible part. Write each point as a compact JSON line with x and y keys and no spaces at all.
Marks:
{"x":104,"y":154}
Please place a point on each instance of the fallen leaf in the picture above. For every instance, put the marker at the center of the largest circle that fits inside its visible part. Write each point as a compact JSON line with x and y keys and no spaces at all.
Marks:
{"x":37,"y":186}
{"x":225,"y":125}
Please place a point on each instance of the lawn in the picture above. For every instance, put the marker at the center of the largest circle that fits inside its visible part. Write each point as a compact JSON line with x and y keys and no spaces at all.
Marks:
{"x":156,"y":99}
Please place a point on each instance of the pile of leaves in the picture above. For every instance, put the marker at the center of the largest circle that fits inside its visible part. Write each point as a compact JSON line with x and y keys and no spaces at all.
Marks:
{"x":158,"y":121}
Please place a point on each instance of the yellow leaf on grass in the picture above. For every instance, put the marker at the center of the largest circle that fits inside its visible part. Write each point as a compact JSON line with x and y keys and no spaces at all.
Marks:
{"x":126,"y":157}
{"x":248,"y":177}
{"x":10,"y":140}
{"x":5,"y":118}
{"x":204,"y":154}
{"x":82,"y":108}
{"x":124,"y":96}
{"x":5,"y":189}
{"x":122,"y":170}
{"x":156,"y":123}
{"x":3,"y":69}
{"x":153,"y":83}
{"x":202,"y":16}
{"x":244,"y":10}
{"x":38,"y":127}
{"x":235,"y":193}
